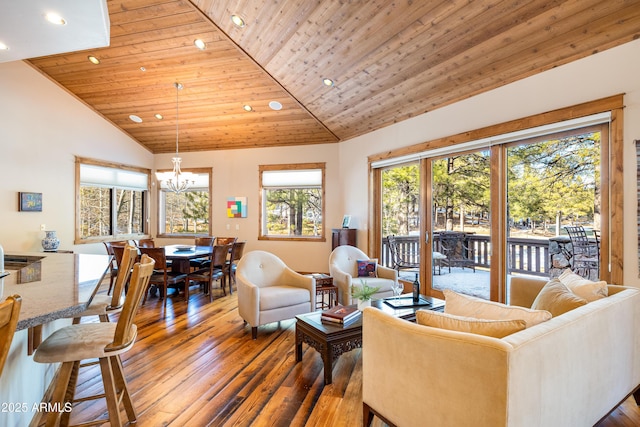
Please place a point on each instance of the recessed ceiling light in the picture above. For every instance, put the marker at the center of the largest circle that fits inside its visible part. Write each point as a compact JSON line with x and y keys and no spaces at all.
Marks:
{"x":93,"y":59}
{"x":327,"y":82}
{"x":135,"y":118}
{"x":238,"y":21}
{"x":3,"y":46}
{"x":247,"y":107}
{"x":275,"y":105}
{"x":56,"y":19}
{"x":200,"y":44}
{"x":158,"y":116}
{"x":143,"y":69}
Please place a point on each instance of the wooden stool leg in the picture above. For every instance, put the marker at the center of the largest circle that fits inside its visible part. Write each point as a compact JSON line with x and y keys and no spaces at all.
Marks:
{"x":121,"y":387}
{"x":70,"y":393}
{"x":110,"y":392}
{"x":59,"y":392}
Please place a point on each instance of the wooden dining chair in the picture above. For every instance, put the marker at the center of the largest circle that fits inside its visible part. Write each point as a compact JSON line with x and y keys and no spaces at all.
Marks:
{"x":229,"y":270}
{"x":162,"y":275}
{"x":113,"y":268}
{"x":200,"y":263}
{"x":212,"y":272}
{"x":104,"y":341}
{"x":9,"y":313}
{"x":225,"y":240}
{"x":145,"y":243}
{"x":104,"y":305}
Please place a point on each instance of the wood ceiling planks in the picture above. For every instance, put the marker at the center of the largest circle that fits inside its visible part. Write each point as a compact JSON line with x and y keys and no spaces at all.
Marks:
{"x":390,"y":61}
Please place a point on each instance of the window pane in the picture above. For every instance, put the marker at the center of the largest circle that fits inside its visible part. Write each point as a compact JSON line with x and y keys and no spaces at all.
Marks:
{"x":185,"y":213}
{"x":129,"y":211}
{"x":95,"y":211}
{"x":293,"y":212}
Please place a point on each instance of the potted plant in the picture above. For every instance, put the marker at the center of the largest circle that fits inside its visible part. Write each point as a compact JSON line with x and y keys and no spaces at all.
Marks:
{"x":363,"y":294}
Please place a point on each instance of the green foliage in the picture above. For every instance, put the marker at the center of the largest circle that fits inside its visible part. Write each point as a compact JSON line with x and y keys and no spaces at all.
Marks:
{"x":294,"y":211}
{"x":363,"y":292}
{"x":186,"y":212}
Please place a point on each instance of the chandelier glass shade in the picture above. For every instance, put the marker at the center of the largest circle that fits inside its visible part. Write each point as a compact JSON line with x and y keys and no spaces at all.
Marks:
{"x":176,"y":180}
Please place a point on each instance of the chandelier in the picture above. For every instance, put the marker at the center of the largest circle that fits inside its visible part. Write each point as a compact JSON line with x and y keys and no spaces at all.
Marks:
{"x":176,"y":180}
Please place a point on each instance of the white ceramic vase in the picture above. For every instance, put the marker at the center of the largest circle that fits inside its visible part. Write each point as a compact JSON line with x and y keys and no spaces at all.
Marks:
{"x":362,"y":304}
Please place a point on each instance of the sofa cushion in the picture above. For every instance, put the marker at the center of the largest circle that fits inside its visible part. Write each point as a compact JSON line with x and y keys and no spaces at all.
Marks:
{"x":367,"y":267}
{"x":468,"y":306}
{"x":557,"y":299}
{"x":491,"y":328}
{"x":584,"y":288}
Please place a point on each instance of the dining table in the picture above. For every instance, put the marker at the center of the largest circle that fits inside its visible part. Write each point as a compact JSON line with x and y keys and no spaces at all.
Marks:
{"x":181,"y":255}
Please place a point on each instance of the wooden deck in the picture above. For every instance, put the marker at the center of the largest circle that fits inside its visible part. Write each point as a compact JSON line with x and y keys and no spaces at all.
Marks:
{"x":199,"y":367}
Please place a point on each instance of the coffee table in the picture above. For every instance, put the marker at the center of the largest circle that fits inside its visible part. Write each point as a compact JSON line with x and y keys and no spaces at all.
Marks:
{"x":333,"y":340}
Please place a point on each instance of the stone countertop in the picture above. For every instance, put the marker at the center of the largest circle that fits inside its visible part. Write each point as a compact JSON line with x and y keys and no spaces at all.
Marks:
{"x":52,"y":285}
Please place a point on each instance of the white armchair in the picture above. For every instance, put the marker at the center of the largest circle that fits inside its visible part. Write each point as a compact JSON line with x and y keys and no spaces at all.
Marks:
{"x":269,"y":291}
{"x":343,"y":267}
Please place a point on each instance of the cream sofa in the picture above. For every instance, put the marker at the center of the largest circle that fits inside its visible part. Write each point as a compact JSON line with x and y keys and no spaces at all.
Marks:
{"x":571,"y":370}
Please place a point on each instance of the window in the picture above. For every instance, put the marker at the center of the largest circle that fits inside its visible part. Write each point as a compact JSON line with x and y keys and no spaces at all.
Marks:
{"x":292,"y":202}
{"x":187,"y":213}
{"x":112,"y":201}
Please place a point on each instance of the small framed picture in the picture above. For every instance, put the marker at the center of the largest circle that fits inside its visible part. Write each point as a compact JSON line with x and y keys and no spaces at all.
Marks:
{"x":30,"y":202}
{"x":346,"y":220}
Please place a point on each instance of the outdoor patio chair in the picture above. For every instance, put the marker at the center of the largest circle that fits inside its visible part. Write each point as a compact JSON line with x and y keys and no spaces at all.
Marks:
{"x":453,"y":245}
{"x":402,"y":256}
{"x":586,"y":256}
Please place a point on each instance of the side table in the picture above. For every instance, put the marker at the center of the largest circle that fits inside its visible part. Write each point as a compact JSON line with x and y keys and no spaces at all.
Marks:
{"x":326,"y":292}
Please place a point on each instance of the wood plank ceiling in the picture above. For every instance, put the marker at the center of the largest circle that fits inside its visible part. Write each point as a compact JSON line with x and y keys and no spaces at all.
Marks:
{"x":389,"y":60}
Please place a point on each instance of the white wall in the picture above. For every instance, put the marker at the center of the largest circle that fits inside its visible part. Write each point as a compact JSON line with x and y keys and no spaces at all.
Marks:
{"x":42,"y":129}
{"x":235,"y":173}
{"x":607,"y":73}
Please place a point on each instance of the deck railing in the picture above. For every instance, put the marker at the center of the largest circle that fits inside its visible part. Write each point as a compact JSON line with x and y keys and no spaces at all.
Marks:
{"x":528,"y":256}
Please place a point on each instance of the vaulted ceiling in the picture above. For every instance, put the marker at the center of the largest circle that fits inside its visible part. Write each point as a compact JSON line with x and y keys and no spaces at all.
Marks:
{"x":389,"y":61}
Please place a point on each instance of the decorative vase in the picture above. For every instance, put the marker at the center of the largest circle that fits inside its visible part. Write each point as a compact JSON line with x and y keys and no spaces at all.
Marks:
{"x":363,"y":303}
{"x":50,"y":242}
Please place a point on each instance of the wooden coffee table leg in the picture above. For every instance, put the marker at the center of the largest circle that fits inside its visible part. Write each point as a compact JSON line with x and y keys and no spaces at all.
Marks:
{"x":327,"y":359}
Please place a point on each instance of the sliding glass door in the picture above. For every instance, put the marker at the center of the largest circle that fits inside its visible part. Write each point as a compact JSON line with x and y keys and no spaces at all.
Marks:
{"x":460,"y":229}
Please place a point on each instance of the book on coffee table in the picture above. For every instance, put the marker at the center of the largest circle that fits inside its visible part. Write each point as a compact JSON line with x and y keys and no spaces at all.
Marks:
{"x":340,"y":314}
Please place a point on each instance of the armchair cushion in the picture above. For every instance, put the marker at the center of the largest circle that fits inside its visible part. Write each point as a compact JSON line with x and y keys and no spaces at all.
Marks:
{"x":273,"y":297}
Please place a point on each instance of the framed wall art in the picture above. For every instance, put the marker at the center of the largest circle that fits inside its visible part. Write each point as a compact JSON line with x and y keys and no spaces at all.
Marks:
{"x":237,"y":207}
{"x":29,"y":202}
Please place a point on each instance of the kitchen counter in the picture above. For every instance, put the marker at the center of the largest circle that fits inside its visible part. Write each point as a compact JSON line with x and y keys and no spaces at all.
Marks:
{"x":52,"y":285}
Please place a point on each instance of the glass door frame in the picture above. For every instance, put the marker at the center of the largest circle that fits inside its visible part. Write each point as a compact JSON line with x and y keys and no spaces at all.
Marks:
{"x":612,"y":203}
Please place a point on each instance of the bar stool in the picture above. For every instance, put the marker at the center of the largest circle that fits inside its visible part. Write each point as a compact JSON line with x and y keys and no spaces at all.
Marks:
{"x":103,"y":305}
{"x":104,"y":341}
{"x":9,"y":311}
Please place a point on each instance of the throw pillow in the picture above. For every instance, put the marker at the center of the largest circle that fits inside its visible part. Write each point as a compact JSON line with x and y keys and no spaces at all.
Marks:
{"x":490,"y":328}
{"x":468,"y":306}
{"x":557,"y":299}
{"x":367,"y":268}
{"x":584,"y":288}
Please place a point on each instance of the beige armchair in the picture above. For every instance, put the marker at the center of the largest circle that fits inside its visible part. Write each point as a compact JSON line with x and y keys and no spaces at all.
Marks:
{"x":269,"y":291}
{"x":343,"y":267}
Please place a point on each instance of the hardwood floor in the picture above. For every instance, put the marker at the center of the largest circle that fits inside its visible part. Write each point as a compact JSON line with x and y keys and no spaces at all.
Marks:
{"x":200,"y":367}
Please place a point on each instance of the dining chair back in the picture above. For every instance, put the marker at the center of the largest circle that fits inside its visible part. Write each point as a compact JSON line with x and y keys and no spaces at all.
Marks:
{"x":213,"y":271}
{"x":113,"y":268}
{"x":103,"y":341}
{"x":145,"y":243}
{"x":9,"y":313}
{"x":200,"y":263}
{"x":163,"y":276}
{"x":237,"y":249}
{"x":225,"y":240}
{"x":205,"y":241}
